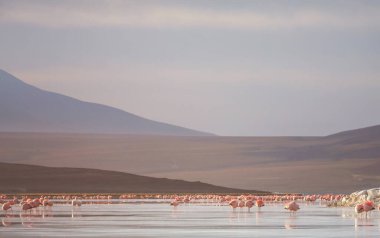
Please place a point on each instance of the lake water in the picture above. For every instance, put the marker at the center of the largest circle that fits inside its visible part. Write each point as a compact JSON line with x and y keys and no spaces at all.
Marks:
{"x":155,"y":218}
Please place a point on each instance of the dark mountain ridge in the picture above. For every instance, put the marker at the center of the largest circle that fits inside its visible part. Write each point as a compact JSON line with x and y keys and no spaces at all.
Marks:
{"x":20,"y":178}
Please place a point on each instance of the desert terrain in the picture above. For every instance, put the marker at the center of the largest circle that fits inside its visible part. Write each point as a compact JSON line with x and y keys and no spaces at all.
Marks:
{"x":339,"y":163}
{"x":21,"y":179}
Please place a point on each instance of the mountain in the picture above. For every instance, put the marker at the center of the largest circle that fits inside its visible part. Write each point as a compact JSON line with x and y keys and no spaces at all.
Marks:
{"x":339,"y":163}
{"x":363,"y":134}
{"x":25,"y":108}
{"x":19,"y":178}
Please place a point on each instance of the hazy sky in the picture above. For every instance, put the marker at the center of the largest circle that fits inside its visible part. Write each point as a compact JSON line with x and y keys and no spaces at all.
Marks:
{"x":227,"y":67}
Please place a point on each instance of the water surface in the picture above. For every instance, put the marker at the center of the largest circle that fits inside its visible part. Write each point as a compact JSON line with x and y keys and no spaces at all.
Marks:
{"x":155,"y":218}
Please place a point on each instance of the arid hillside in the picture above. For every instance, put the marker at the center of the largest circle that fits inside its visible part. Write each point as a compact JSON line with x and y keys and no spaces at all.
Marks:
{"x":338,"y":163}
{"x":19,"y":178}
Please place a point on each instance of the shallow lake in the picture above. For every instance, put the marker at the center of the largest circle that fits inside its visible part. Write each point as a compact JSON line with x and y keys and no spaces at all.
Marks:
{"x":155,"y":218}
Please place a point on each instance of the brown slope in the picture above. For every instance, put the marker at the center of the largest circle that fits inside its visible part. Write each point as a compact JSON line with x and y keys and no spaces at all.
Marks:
{"x":365,"y":134}
{"x":282,"y":164}
{"x":19,"y":178}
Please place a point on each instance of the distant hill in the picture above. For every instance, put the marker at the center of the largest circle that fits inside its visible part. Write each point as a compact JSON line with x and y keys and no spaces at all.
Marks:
{"x":363,"y":134}
{"x":19,"y":178}
{"x":25,"y":108}
{"x":339,"y":163}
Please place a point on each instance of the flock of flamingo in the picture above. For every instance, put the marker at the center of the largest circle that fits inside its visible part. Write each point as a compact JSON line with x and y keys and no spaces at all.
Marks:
{"x":290,"y":201}
{"x":362,"y":202}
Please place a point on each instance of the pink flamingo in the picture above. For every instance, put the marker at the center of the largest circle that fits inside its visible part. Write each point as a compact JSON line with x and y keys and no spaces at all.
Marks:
{"x":368,"y":206}
{"x":174,"y":203}
{"x":292,"y":206}
{"x":233,"y":203}
{"x":241,"y":204}
{"x":359,"y":208}
{"x":6,"y":206}
{"x":35,"y":203}
{"x":364,"y":207}
{"x":186,"y":199}
{"x":46,"y":203}
{"x":15,"y":200}
{"x":26,"y":206}
{"x":260,"y":203}
{"x":249,"y":204}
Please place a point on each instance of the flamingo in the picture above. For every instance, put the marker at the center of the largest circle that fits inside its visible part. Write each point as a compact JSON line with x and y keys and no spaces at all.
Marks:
{"x":364,"y":207}
{"x":15,"y":200}
{"x":35,"y":203}
{"x":46,"y":203}
{"x":186,"y":199}
{"x":6,"y":206}
{"x":359,"y":208}
{"x":76,"y":202}
{"x":292,"y":206}
{"x":241,"y":204}
{"x":368,"y":206}
{"x":26,"y":206}
{"x":174,"y":203}
{"x":249,"y":204}
{"x":260,"y":203}
{"x":233,"y":203}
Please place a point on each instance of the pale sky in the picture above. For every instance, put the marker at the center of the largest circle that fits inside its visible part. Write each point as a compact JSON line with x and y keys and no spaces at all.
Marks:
{"x":249,"y":68}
